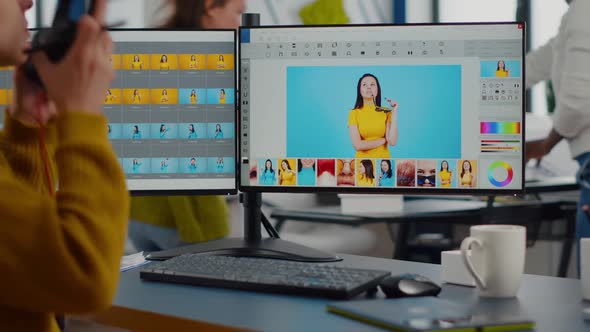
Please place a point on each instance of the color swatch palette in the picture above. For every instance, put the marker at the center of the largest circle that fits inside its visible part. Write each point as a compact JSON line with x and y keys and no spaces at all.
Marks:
{"x":503,"y":128}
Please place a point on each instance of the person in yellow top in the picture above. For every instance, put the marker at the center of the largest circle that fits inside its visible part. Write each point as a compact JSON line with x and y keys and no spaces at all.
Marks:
{"x":164,"y":65}
{"x":501,"y":70}
{"x":372,"y":127}
{"x":164,"y":222}
{"x":194,"y":98}
{"x":366,"y":174}
{"x":136,"y":97}
{"x":61,"y":248}
{"x":164,"y":97}
{"x":221,"y":62}
{"x":287,"y":176}
{"x":136,"y":64}
{"x":193,"y":63}
{"x":109,"y":98}
{"x":467,"y":178}
{"x":222,"y":96}
{"x":445,"y":175}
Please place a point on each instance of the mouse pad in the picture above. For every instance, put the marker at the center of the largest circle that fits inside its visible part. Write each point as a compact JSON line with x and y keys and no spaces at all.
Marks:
{"x":420,"y":314}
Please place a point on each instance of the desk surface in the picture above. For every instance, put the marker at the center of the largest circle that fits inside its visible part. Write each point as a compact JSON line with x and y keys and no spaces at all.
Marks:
{"x":555,"y":304}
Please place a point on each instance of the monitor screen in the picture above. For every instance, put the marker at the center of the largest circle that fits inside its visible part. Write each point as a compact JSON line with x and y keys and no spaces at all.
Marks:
{"x":397,"y":109}
{"x":171,"y":109}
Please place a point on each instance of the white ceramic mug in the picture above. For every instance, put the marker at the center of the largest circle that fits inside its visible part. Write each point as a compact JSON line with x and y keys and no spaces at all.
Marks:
{"x":497,"y":256}
{"x":585,"y":267}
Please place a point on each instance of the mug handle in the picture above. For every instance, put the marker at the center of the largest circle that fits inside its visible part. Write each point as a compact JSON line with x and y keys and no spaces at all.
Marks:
{"x":465,"y":246}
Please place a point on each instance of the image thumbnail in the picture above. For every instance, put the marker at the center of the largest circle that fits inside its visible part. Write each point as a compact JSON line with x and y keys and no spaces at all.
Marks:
{"x":164,"y":165}
{"x":406,"y":173}
{"x":267,"y":174}
{"x":136,"y":96}
{"x":365,"y":175}
{"x":306,"y":172}
{"x":345,"y":172}
{"x":193,"y":61}
{"x":136,"y":62}
{"x":136,"y":165}
{"x":447,"y":174}
{"x":112,"y":97}
{"x":193,"y":96}
{"x":426,"y":173}
{"x":115,"y":130}
{"x":287,"y":175}
{"x":467,"y":173}
{"x":164,"y":96}
{"x":164,"y":131}
{"x":221,"y":96}
{"x":164,"y":62}
{"x":385,"y":173}
{"x":220,"y":61}
{"x":136,"y":131}
{"x":220,"y":130}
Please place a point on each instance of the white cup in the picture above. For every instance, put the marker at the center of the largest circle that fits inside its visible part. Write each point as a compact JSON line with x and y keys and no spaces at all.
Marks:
{"x":497,"y":256}
{"x":585,"y":267}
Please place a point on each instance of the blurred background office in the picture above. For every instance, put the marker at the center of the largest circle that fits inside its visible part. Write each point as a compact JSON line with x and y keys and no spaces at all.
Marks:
{"x":542,"y":17}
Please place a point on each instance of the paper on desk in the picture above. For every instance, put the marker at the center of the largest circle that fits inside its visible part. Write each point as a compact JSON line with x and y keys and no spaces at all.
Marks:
{"x":132,"y":261}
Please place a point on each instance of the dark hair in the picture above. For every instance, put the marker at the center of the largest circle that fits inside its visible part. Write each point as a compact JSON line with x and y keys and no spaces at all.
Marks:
{"x":389,"y":172}
{"x":498,"y":65}
{"x":268,"y":161}
{"x":222,"y":90}
{"x":441,"y":165}
{"x":191,"y":128}
{"x":193,"y":92}
{"x":162,"y":127}
{"x":162,"y":58}
{"x":359,"y":99}
{"x":193,"y":158}
{"x":109,"y":127}
{"x":136,"y":128}
{"x":368,"y":168}
{"x":300,"y":165}
{"x":217,"y":128}
{"x":286,"y":162}
{"x":189,"y":13}
{"x":463,"y":169}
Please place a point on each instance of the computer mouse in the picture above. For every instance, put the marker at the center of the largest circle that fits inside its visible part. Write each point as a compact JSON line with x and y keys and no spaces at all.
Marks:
{"x":408,"y":285}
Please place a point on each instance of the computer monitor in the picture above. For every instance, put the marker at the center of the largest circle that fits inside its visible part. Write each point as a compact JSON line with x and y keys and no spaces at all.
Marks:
{"x":171,"y":110}
{"x":428,"y":108}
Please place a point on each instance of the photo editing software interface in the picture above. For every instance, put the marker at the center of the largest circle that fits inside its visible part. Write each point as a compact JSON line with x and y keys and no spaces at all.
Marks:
{"x":171,"y":108}
{"x":428,"y":107}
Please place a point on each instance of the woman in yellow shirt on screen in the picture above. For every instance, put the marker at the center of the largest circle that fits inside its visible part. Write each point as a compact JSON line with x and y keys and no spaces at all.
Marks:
{"x":136,"y":64}
{"x":286,"y":174}
{"x":109,"y":98}
{"x":164,"y":97}
{"x":501,"y":70}
{"x":372,"y":127}
{"x":136,"y":98}
{"x":194,"y":98}
{"x":366,"y":175}
{"x":467,"y":176}
{"x":164,"y":65}
{"x":193,"y":64}
{"x":445,"y":175}
{"x":222,"y":96}
{"x":221,"y":62}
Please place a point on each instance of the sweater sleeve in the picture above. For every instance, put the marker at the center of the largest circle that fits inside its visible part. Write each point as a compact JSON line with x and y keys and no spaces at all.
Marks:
{"x":62,"y":253}
{"x":21,"y":148}
{"x":572,"y":113}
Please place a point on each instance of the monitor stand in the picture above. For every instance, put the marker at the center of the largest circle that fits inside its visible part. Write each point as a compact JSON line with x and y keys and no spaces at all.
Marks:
{"x":252,"y":245}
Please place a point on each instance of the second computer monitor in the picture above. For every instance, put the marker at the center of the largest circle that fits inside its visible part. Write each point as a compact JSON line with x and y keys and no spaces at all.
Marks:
{"x":400,"y":109}
{"x":171,"y":110}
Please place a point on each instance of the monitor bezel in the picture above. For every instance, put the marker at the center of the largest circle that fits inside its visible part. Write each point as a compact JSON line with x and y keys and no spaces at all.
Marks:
{"x":173,"y":192}
{"x":246,"y":187}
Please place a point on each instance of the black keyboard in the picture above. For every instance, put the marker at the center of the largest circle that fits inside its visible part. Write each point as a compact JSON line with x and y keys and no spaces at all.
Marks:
{"x":264,"y":275}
